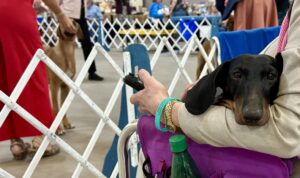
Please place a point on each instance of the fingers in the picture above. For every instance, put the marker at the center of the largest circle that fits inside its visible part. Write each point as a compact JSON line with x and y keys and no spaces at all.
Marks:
{"x":37,"y":4}
{"x":67,"y":23}
{"x":71,"y":26}
{"x":225,"y":2}
{"x":142,"y":109}
{"x":187,"y":88}
{"x":134,"y":99}
{"x":145,"y":77}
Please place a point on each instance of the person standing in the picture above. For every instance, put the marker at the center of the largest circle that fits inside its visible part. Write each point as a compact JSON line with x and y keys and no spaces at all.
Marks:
{"x":157,"y":10}
{"x":249,"y":14}
{"x":282,"y":7}
{"x":19,"y":40}
{"x":76,"y":9}
{"x":93,"y":11}
{"x":120,"y":4}
{"x":179,"y":8}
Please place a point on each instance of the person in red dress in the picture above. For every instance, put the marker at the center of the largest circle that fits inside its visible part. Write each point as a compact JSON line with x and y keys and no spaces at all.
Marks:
{"x":19,"y":40}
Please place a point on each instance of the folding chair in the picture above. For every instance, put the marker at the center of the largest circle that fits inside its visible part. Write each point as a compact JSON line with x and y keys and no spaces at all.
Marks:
{"x":212,"y":161}
{"x":138,"y":57}
{"x":245,"y":41}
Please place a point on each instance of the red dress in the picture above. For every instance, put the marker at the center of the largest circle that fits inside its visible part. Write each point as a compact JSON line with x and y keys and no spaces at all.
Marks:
{"x":19,"y":40}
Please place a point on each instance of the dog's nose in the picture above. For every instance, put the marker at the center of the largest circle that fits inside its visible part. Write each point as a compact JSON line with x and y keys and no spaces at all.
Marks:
{"x":252,"y":116}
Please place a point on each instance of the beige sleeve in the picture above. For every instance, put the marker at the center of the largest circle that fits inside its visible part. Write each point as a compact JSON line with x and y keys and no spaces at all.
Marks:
{"x":281,"y":135}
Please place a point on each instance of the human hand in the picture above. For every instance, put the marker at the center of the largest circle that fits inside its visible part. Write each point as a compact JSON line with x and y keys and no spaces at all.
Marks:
{"x":67,"y":23}
{"x":166,"y":11}
{"x":149,"y":98}
{"x":37,"y":4}
{"x":186,"y":4}
{"x":187,"y":88}
{"x":225,"y":2}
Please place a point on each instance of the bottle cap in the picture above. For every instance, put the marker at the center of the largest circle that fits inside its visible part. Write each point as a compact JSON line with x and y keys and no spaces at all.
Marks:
{"x":178,"y":143}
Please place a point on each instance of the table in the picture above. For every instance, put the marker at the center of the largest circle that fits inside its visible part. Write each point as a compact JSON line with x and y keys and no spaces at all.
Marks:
{"x":213,"y":19}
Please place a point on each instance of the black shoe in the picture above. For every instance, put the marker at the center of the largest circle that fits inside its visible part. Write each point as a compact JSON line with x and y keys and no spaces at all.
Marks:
{"x":175,"y":48}
{"x":95,"y":77}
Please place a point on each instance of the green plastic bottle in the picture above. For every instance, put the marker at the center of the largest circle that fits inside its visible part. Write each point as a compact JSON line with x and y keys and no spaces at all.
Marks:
{"x":183,"y":166}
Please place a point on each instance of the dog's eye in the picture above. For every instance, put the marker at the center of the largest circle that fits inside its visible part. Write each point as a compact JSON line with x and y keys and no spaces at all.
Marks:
{"x":237,"y":75}
{"x":271,"y":76}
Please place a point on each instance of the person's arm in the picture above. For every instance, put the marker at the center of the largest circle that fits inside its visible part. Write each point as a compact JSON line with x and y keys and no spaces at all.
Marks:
{"x":62,"y":18}
{"x":217,"y":126}
{"x":98,"y":13}
{"x":225,"y":2}
{"x":281,"y":135}
{"x":172,"y":5}
{"x":156,"y":11}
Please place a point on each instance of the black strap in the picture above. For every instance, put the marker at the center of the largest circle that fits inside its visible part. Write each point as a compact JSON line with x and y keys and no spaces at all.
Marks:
{"x":146,"y":167}
{"x":165,"y":172}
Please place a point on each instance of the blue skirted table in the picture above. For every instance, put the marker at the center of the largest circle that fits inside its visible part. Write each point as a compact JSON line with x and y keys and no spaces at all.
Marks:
{"x":213,"y":19}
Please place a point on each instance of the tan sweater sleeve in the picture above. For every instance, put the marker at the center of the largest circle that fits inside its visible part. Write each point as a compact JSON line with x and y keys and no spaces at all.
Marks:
{"x":281,"y":135}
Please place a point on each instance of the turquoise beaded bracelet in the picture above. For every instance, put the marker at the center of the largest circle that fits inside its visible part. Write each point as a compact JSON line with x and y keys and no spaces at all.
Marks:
{"x":159,"y":112}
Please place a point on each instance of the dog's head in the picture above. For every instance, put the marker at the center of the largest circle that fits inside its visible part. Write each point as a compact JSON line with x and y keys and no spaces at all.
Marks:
{"x":67,"y":36}
{"x":249,"y":84}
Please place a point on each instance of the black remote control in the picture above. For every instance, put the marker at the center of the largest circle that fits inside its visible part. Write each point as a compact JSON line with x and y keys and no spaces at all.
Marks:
{"x":134,"y":82}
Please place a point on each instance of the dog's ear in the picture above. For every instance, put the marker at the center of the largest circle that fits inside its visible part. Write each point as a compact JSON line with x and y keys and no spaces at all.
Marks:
{"x":79,"y":31}
{"x":279,"y":66}
{"x":59,"y":32}
{"x":279,"y":63}
{"x":202,"y":95}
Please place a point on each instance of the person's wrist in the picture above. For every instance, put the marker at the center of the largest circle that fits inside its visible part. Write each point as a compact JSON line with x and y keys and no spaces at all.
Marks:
{"x":60,"y":16}
{"x":158,"y":101}
{"x":175,"y":114}
{"x":160,"y":112}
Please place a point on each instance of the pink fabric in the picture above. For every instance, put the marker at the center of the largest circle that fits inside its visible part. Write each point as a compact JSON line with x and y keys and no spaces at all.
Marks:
{"x":283,"y":35}
{"x":251,"y":14}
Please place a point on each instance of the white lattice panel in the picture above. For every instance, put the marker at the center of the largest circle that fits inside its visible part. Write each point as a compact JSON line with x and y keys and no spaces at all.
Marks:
{"x":119,"y":33}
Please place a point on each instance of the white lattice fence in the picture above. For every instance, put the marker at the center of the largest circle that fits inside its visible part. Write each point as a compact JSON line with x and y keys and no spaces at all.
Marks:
{"x":104,"y":115}
{"x":48,"y":27}
{"x":119,"y":33}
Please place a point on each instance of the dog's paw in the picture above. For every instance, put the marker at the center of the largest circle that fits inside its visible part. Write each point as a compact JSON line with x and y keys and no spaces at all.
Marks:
{"x":69,"y":126}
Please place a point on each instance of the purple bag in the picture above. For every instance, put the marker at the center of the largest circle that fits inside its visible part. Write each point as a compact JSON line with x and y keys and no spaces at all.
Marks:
{"x":212,"y":162}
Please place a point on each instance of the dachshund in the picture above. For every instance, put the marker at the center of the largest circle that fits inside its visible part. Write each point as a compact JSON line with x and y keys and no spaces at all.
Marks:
{"x":249,"y":86}
{"x":63,"y":55}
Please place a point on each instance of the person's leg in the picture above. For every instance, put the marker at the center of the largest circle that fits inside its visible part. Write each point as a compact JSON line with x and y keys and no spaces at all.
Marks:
{"x":87,"y":46}
{"x":119,"y":6}
{"x":128,"y":8}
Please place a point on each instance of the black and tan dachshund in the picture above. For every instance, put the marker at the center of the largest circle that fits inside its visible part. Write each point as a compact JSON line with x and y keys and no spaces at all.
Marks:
{"x":249,"y":86}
